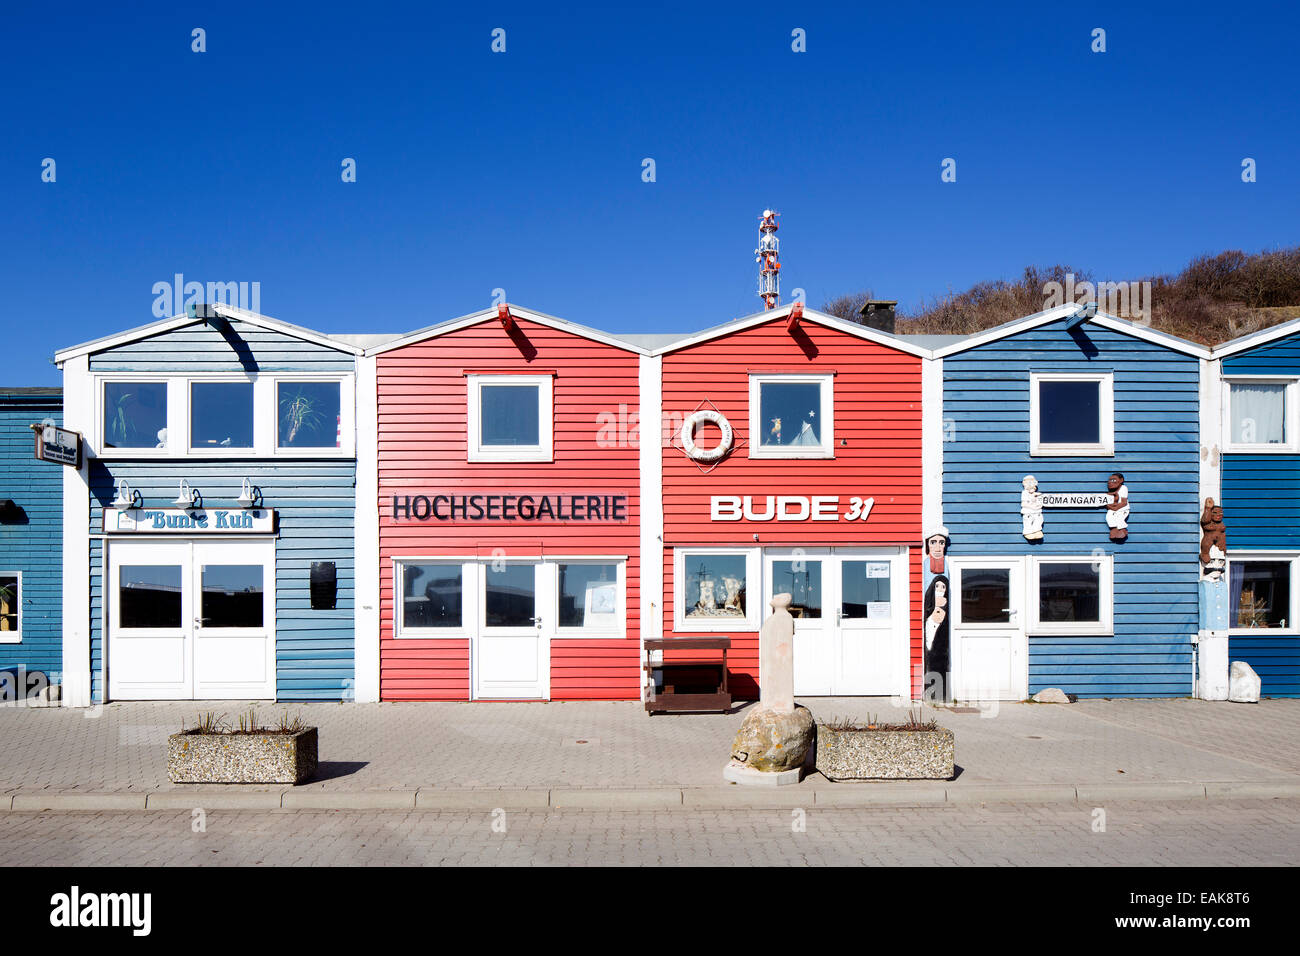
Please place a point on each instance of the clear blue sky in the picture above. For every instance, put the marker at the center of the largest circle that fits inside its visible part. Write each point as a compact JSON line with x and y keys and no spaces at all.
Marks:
{"x":523,"y":170}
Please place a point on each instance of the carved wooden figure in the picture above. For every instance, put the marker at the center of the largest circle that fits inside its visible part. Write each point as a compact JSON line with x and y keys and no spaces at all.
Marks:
{"x":1031,"y":509}
{"x":1214,"y":541}
{"x":1118,"y":509}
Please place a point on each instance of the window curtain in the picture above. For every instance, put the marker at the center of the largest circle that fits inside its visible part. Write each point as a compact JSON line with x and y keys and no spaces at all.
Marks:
{"x":1258,"y":413}
{"x":1236,"y":577}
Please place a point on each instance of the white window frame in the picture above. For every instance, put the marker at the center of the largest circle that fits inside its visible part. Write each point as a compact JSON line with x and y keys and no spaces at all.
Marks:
{"x":619,"y":627}
{"x":1293,"y":558}
{"x":542,"y":451}
{"x":1104,"y":448}
{"x":266,"y":414}
{"x":468,"y":600}
{"x":753,"y":591}
{"x":1291,"y":423}
{"x":14,"y":637}
{"x":827,"y":412}
{"x":1106,"y":596}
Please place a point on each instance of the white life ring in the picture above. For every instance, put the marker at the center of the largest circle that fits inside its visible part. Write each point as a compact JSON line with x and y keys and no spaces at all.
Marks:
{"x":692,"y":422}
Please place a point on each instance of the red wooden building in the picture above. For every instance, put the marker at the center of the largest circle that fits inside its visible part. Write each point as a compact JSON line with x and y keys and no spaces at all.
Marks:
{"x":793,"y":462}
{"x":509,"y":511}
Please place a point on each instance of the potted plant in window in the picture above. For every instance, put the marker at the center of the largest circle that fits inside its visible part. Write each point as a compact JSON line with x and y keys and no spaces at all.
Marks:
{"x":8,"y":606}
{"x":913,"y":749}
{"x":300,"y":414}
{"x":215,"y":752}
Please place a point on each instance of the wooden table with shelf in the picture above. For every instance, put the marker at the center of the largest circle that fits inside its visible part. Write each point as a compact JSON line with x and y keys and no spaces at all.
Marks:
{"x":670,"y":700}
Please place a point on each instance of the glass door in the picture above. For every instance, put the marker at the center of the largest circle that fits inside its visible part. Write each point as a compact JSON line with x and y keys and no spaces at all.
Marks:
{"x":510,"y":649}
{"x":234,"y":633}
{"x":803,"y":575}
{"x":989,"y":653}
{"x":868,"y":618}
{"x":149,"y":621}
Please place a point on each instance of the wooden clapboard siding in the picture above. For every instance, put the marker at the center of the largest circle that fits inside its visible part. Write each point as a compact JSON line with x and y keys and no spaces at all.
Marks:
{"x":877,"y":435}
{"x":32,"y":545}
{"x":422,"y":392}
{"x":315,"y":501}
{"x":1261,"y":506}
{"x":986,"y":454}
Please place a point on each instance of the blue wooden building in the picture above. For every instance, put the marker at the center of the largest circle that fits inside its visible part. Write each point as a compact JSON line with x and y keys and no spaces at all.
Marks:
{"x":209,"y":542}
{"x":31,"y":513}
{"x":1260,"y":480}
{"x":1071,"y":499}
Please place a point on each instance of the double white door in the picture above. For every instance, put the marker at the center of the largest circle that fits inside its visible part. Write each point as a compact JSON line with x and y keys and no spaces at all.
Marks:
{"x":989,"y":654}
{"x":851,"y":619}
{"x":190,"y":620}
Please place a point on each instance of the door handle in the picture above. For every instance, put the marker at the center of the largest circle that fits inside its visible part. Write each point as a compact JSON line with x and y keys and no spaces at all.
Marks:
{"x":536,"y":621}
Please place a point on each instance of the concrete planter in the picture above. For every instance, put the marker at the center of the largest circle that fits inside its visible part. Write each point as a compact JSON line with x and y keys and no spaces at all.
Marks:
{"x":885,"y":754}
{"x":194,"y":757}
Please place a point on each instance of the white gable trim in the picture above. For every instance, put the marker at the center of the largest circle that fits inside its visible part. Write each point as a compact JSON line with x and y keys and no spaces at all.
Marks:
{"x":1103,"y":319}
{"x":474,"y":318}
{"x":1252,"y":340}
{"x":809,"y":315}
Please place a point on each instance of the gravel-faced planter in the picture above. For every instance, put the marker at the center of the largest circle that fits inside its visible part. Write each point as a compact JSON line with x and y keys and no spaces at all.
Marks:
{"x":263,"y":757}
{"x":885,"y":754}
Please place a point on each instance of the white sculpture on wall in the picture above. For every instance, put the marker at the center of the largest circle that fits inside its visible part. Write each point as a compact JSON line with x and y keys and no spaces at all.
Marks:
{"x":1031,"y":508}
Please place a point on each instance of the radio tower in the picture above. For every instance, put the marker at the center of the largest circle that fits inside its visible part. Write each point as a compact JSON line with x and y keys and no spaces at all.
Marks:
{"x":768,"y":254}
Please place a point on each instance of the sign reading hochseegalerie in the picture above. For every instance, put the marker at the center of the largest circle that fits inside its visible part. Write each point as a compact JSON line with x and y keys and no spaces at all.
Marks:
{"x":189,"y":521}
{"x":538,"y":508}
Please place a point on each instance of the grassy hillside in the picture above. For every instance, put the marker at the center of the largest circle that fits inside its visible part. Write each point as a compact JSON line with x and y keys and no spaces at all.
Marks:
{"x":1213,"y":299}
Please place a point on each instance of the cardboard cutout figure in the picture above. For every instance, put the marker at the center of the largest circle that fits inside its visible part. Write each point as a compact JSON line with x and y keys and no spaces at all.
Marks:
{"x":936,"y":639}
{"x":1117,"y":510}
{"x":1214,"y":541}
{"x":1031,"y":509}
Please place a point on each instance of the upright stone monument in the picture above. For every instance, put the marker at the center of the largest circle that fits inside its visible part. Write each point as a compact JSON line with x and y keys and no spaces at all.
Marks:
{"x":774,"y":739}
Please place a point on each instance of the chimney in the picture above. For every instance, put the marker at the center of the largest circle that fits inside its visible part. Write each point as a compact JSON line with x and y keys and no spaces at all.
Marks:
{"x":878,"y":314}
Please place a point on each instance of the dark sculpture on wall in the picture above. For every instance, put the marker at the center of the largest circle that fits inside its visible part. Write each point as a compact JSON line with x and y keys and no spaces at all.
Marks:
{"x":936,"y":608}
{"x":1117,"y":509}
{"x":1214,"y":541}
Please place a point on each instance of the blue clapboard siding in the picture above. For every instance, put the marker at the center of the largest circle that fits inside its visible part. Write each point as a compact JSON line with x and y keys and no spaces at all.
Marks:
{"x":314,"y":500}
{"x":33,"y":543}
{"x":1261,"y":505}
{"x":986,"y":453}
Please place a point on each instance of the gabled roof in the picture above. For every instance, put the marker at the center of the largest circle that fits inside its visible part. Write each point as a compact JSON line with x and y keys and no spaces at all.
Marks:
{"x":809,"y":315}
{"x":1070,"y":310}
{"x":1244,"y":343}
{"x":474,"y":318}
{"x":179,"y":321}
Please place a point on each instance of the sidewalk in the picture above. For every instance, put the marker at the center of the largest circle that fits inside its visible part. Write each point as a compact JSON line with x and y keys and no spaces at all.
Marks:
{"x":612,"y":755}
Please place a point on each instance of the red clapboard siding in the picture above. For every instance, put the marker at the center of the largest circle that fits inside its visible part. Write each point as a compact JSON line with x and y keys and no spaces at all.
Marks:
{"x":422,"y":425}
{"x":877,"y":455}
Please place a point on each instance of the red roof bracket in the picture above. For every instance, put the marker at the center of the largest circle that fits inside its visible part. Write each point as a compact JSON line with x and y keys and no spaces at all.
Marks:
{"x":796,"y":313}
{"x":507,"y":320}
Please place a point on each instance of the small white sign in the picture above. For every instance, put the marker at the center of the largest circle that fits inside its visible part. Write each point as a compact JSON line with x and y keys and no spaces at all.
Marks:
{"x":877,"y":610}
{"x":1075,"y":501}
{"x":189,"y":521}
{"x":877,"y":569}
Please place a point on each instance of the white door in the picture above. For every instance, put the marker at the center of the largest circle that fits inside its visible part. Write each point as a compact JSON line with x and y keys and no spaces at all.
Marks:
{"x":191,"y":620}
{"x":989,"y":655}
{"x":511,"y":650}
{"x":850,"y":610}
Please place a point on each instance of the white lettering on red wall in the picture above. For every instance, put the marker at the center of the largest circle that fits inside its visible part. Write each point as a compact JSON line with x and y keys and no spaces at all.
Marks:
{"x":788,"y":508}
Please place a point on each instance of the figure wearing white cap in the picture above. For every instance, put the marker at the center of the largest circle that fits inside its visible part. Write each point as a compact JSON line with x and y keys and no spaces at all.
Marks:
{"x":1031,"y":508}
{"x":936,"y":551}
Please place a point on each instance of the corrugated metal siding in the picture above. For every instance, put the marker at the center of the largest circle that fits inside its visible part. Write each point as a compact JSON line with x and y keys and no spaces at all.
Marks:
{"x":1261,"y":493}
{"x":33,"y":546}
{"x":878,"y":413}
{"x":1261,"y":505}
{"x":422,"y":427}
{"x":986,"y":411}
{"x":314,"y":499}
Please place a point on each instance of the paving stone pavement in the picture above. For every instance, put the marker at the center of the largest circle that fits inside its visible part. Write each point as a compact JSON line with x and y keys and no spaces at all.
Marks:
{"x":612,"y":745}
{"x":1241,"y":833}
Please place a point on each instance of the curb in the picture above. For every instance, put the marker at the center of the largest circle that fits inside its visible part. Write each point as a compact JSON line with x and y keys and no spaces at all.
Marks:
{"x":832,"y":796}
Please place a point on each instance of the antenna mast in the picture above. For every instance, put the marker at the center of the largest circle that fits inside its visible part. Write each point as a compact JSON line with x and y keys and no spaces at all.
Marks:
{"x":768,"y":255}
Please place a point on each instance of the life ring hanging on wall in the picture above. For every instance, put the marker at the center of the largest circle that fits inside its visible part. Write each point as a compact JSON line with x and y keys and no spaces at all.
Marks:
{"x":693,"y":421}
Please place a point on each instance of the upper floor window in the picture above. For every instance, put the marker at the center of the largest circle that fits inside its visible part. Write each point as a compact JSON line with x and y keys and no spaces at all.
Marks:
{"x":1071,"y":413}
{"x":1261,"y":415}
{"x":273,"y":415}
{"x":11,"y":607}
{"x":791,"y":416}
{"x":509,"y":417}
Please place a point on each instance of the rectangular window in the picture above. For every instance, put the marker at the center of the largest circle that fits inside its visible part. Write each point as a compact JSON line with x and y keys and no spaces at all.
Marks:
{"x":986,"y":596}
{"x":149,"y":595}
{"x":1072,"y":595}
{"x":1260,"y":594}
{"x":802,"y":580}
{"x":865,"y":590}
{"x":791,"y":416}
{"x":712,"y":589}
{"x":1261,"y":415}
{"x":135,"y":415}
{"x":432,"y":597}
{"x":509,"y":417}
{"x":11,"y":607}
{"x":589,"y":596}
{"x":1071,"y":414}
{"x":509,"y":595}
{"x":309,"y":414}
{"x":221,"y":415}
{"x":232,"y":595}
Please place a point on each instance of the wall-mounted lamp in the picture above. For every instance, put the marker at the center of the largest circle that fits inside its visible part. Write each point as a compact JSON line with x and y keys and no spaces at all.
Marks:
{"x":188,"y":497}
{"x":126,"y":497}
{"x":248,"y":495}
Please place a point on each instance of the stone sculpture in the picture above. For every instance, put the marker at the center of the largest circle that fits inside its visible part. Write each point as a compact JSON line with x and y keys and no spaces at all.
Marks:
{"x":1214,"y":541}
{"x":1243,"y":683}
{"x":1031,"y":508}
{"x":1117,"y":509}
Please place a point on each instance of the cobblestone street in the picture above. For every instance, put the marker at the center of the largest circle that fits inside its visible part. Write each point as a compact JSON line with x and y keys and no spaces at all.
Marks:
{"x":1239,"y":833}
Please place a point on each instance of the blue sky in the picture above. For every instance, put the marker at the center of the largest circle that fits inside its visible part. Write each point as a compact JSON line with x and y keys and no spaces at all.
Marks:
{"x":522,"y":170}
